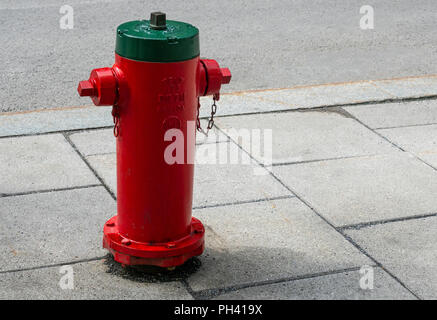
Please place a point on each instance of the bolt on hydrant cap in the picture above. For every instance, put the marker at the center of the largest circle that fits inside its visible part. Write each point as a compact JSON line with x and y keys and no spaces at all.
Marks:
{"x":157,"y":20}
{"x":226,"y":75}
{"x":86,"y":89}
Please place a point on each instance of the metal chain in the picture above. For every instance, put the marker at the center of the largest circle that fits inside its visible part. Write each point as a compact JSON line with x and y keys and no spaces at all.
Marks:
{"x":116,"y":118}
{"x":211,"y":118}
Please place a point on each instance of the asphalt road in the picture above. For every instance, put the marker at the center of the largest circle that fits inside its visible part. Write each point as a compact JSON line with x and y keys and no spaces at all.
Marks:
{"x":266,"y":44}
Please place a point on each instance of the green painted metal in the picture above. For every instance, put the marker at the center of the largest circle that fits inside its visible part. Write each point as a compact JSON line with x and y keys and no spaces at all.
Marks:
{"x":137,"y":40}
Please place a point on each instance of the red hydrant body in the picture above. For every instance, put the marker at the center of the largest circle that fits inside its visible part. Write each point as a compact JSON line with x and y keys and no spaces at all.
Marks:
{"x":154,"y":86}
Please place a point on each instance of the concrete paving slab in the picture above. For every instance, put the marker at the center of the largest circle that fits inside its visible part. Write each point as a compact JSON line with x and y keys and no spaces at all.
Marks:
{"x":54,"y":120}
{"x":420,"y":140}
{"x":324,"y":95}
{"x":106,"y":167}
{"x":339,"y":286}
{"x":40,"y":163}
{"x":94,"y":141}
{"x":268,"y":240}
{"x":91,"y":280}
{"x":408,"y":249}
{"x":364,"y":189}
{"x":55,"y":227}
{"x":309,"y":135}
{"x":396,"y":114}
{"x":222,"y":184}
{"x":409,"y":87}
{"x":213,"y":184}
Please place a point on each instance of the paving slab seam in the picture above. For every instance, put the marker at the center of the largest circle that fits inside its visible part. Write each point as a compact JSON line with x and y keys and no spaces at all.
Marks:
{"x":295,"y":106}
{"x":381,"y":266}
{"x":316,"y":160}
{"x":69,"y":131}
{"x":329,"y":106}
{"x":349,"y":239}
{"x":215,"y":292}
{"x":67,"y":138}
{"x":407,"y":126}
{"x":243,"y":202}
{"x":423,"y":161}
{"x":54,"y":265}
{"x":111,"y":153}
{"x":389,"y":141}
{"x":359,"y":226}
{"x":99,"y":154}
{"x":5,"y":195}
{"x":83,"y":130}
{"x":187,"y":287}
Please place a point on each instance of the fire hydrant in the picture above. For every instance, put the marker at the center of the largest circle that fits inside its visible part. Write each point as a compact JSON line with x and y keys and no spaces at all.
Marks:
{"x":154,"y":86}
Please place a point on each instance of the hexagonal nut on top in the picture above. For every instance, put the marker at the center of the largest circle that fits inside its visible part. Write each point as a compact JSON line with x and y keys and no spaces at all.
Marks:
{"x":158,"y":20}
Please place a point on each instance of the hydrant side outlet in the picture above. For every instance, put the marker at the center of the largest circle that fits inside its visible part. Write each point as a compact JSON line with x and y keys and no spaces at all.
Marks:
{"x":154,"y":86}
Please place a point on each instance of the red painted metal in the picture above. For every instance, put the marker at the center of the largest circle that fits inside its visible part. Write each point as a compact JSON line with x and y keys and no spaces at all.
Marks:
{"x":153,"y":225}
{"x":212,"y":77}
{"x":101,"y":87}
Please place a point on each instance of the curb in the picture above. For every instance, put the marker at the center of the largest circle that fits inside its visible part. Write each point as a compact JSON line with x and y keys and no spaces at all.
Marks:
{"x":236,"y":103}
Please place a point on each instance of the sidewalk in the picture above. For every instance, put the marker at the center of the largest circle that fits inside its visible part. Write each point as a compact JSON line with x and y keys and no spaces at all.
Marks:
{"x":353,"y":183}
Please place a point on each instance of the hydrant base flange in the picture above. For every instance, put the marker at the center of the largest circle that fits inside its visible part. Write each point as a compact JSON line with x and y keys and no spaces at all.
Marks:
{"x":168,"y":254}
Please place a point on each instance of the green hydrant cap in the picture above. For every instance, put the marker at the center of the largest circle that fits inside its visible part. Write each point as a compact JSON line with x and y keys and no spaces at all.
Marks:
{"x":157,"y":40}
